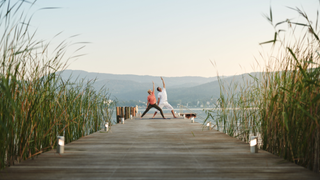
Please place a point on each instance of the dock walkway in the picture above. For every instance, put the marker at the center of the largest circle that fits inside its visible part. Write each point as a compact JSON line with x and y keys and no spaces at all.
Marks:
{"x":157,"y":149}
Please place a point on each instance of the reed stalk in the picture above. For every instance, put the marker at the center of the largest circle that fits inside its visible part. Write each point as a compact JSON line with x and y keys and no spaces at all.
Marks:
{"x":281,"y":104}
{"x":36,"y":105}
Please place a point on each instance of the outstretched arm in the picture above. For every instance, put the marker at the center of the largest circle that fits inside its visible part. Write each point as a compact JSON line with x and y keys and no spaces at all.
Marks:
{"x":164,"y":85}
{"x":153,"y":86}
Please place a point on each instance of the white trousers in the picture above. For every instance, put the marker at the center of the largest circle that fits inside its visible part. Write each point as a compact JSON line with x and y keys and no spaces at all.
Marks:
{"x":165,"y":104}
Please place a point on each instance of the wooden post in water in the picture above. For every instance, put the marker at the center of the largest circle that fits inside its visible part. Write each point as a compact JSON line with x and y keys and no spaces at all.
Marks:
{"x":133,"y":111}
{"x":122,"y":111}
{"x":118,"y":111}
{"x":120,"y":114}
{"x":127,"y":113}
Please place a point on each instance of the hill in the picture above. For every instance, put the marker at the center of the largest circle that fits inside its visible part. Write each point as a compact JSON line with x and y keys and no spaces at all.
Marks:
{"x":132,"y":89}
{"x":186,"y":81}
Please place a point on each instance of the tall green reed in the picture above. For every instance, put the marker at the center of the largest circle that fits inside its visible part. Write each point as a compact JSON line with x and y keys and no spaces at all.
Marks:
{"x":280,"y":104}
{"x":36,"y":105}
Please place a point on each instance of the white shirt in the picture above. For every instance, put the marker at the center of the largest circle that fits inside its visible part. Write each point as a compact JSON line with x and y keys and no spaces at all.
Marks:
{"x":163,"y":96}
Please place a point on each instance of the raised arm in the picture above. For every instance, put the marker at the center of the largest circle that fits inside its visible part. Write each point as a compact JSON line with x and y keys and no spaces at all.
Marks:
{"x":164,"y":85}
{"x":153,"y":86}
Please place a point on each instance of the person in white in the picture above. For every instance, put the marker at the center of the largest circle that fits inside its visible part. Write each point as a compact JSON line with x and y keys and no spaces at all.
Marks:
{"x":163,"y":99}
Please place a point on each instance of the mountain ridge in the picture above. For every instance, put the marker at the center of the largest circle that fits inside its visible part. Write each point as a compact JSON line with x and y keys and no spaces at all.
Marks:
{"x":186,"y":90}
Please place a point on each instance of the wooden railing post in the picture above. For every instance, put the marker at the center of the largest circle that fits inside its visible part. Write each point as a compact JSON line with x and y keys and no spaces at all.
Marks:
{"x":125,"y":112}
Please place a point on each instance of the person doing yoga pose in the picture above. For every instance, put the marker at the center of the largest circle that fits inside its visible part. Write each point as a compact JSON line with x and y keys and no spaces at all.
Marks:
{"x":163,"y":99}
{"x":152,"y":103}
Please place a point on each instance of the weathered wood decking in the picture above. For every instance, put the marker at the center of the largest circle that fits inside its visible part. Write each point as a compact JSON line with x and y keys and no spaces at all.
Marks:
{"x":157,"y":149}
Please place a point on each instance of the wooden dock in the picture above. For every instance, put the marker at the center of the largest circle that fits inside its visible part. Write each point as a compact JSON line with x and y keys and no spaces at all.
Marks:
{"x":157,"y":149}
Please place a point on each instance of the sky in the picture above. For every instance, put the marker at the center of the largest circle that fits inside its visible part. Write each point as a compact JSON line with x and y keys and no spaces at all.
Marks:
{"x":170,"y":38}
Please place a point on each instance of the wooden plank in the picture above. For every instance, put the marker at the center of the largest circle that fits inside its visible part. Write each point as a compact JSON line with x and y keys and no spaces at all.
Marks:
{"x":157,"y":149}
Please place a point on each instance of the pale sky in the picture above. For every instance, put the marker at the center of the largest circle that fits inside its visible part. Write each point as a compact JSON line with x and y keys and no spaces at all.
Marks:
{"x":166,"y":37}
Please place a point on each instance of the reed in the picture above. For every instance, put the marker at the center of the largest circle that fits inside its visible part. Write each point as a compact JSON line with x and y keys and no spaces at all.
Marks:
{"x":36,"y":105}
{"x":280,"y":104}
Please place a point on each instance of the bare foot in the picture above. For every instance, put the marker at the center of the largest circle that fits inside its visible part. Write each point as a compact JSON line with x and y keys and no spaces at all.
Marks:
{"x":175,"y":116}
{"x":140,"y":117}
{"x":164,"y":118}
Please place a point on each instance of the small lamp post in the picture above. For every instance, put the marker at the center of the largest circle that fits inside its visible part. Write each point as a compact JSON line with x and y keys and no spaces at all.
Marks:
{"x":130,"y":116}
{"x":184,"y":116}
{"x":192,"y":120}
{"x":209,"y":125}
{"x":106,"y":127}
{"x":254,"y":144}
{"x":122,"y":120}
{"x":60,"y":144}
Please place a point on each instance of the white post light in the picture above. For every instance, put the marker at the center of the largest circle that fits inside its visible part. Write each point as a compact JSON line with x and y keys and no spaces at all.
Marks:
{"x":122,"y":120}
{"x":209,"y":125}
{"x":254,"y":144}
{"x":60,"y":144}
{"x":184,"y":116}
{"x":106,"y":127}
{"x":130,"y":116}
{"x":178,"y":114}
{"x":192,"y":120}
